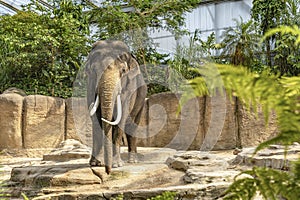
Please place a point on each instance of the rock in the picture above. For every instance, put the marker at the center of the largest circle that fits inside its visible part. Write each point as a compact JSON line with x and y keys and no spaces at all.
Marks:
{"x":252,"y":128}
{"x":205,"y":177}
{"x":272,"y":157}
{"x":203,"y":160}
{"x":79,"y":123}
{"x":187,"y":192}
{"x":149,"y":154}
{"x":221,"y":128}
{"x":162,"y":113}
{"x":14,"y":90}
{"x":197,"y":175}
{"x":68,"y":150}
{"x":46,"y":175}
{"x":44,"y":121}
{"x":11,"y":106}
{"x":170,"y":129}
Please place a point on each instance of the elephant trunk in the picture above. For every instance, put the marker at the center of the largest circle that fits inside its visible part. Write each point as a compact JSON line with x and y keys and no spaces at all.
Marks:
{"x":108,"y":89}
{"x":119,"y":113}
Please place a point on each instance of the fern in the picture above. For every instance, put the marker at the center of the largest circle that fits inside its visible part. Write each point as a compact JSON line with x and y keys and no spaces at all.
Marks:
{"x":270,"y":183}
{"x":273,"y":93}
{"x":270,"y":91}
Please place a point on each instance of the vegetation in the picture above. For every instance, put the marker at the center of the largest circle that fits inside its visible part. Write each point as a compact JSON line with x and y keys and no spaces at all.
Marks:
{"x":42,"y":49}
{"x":133,"y":21}
{"x":282,"y":95}
{"x":165,"y":196}
{"x":241,"y":43}
{"x":270,"y":183}
{"x":281,"y":56}
{"x":273,"y":92}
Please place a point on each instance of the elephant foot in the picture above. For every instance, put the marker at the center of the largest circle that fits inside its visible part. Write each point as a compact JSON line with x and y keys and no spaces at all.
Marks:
{"x":120,"y":163}
{"x":132,"y":158}
{"x":95,"y":163}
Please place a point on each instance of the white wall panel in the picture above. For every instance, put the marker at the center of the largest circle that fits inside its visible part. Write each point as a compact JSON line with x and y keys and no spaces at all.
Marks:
{"x":208,"y":18}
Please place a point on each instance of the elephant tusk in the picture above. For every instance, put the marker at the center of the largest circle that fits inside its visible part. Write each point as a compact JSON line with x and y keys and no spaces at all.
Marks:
{"x":119,"y":116}
{"x":93,"y":107}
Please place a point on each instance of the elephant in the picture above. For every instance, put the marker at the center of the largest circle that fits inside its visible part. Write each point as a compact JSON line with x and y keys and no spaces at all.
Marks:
{"x":116,"y":93}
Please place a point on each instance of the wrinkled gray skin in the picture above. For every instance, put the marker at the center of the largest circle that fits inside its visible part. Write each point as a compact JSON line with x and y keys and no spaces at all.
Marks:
{"x":112,"y":70}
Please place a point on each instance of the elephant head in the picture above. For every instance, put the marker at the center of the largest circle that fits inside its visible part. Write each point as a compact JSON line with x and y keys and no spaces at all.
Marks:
{"x":114,"y":88}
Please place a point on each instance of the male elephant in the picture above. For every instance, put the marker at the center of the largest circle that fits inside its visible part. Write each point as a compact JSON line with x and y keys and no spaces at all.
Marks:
{"x":116,"y":94}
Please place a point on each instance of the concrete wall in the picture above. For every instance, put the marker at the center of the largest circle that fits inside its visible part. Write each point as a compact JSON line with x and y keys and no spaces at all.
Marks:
{"x":36,"y":121}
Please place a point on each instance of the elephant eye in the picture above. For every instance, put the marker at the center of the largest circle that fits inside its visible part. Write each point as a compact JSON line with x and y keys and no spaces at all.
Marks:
{"x":124,"y":67}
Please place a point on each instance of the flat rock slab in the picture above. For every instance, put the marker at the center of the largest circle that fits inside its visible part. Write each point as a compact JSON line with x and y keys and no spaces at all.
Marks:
{"x":72,"y":149}
{"x":66,"y":169}
{"x":75,"y":179}
{"x":68,"y":150}
{"x":272,"y":157}
{"x":78,"y":178}
{"x":207,"y":161}
{"x":199,"y":176}
{"x":187,"y":192}
{"x":65,"y":173}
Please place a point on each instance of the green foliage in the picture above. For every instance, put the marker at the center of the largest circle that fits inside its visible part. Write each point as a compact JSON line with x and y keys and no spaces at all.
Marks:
{"x":119,"y":197}
{"x":24,"y":196}
{"x":287,"y":47}
{"x":167,"y":14}
{"x":241,"y":43}
{"x":165,"y":196}
{"x":293,"y":30}
{"x":268,"y":13}
{"x":274,"y":94}
{"x":41,"y":53}
{"x":270,"y":183}
{"x":3,"y":192}
{"x":186,"y":57}
{"x":283,"y":57}
{"x":131,"y":22}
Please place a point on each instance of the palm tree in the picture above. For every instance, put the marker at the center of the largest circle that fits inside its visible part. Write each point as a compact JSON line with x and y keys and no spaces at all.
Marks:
{"x":240,"y":43}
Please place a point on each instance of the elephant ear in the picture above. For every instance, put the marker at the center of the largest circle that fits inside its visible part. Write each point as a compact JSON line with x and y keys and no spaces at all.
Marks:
{"x":133,"y":66}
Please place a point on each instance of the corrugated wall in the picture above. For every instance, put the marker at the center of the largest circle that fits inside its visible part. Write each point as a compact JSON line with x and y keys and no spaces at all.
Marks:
{"x":208,"y":18}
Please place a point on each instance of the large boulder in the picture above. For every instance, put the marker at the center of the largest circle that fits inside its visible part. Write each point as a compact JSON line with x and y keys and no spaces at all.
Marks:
{"x":220,"y":124}
{"x":252,"y":127}
{"x":11,"y":106}
{"x":173,"y":129}
{"x":44,"y":121}
{"x":79,"y":123}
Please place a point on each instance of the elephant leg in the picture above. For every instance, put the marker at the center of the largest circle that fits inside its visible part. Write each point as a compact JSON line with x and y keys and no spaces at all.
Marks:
{"x":117,"y":139}
{"x":131,"y":138}
{"x":132,"y":149}
{"x":97,"y":150}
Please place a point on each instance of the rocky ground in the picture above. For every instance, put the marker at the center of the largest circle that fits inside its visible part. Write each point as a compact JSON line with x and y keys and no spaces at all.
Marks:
{"x":64,"y":173}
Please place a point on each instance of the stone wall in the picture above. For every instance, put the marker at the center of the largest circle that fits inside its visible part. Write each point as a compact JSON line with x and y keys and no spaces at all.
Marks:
{"x":217,"y":122}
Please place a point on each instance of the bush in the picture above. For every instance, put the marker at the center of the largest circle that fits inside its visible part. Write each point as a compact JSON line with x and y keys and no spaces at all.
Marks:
{"x":41,"y":53}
